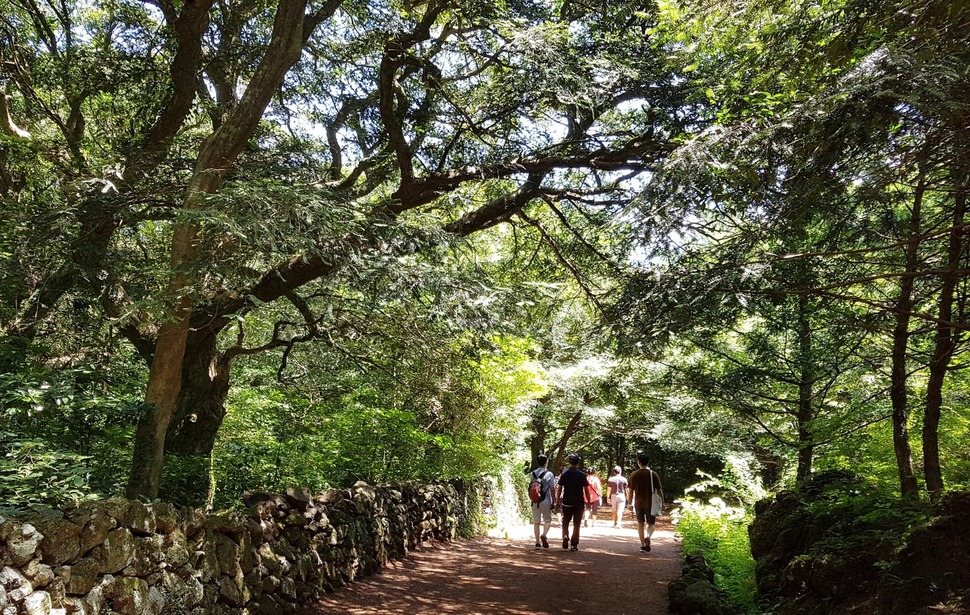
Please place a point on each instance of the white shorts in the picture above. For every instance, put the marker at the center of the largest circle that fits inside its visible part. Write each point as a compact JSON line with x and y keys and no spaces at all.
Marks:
{"x":542,"y":512}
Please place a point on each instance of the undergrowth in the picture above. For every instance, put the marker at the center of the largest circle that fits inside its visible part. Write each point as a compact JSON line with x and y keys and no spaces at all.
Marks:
{"x":720,"y":533}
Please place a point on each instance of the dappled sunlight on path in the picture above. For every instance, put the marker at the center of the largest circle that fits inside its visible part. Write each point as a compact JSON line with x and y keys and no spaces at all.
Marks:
{"x":508,"y":576}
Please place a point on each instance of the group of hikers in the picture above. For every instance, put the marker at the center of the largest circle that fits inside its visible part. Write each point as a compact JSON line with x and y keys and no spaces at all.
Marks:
{"x":576,"y":495}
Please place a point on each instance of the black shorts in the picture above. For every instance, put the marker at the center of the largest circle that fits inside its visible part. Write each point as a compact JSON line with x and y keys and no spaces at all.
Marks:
{"x":644,"y":517}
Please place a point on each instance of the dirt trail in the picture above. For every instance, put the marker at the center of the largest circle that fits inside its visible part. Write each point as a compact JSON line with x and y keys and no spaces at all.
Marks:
{"x":509,"y":576}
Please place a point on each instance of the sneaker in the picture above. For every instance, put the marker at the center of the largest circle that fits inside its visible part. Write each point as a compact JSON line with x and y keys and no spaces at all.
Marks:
{"x":574,"y":548}
{"x":646,"y":545}
{"x":538,"y":546}
{"x":565,"y":543}
{"x":644,"y":549}
{"x":545,"y":543}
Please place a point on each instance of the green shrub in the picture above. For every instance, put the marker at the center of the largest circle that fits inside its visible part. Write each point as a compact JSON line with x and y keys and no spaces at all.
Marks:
{"x":720,"y":533}
{"x":32,"y":473}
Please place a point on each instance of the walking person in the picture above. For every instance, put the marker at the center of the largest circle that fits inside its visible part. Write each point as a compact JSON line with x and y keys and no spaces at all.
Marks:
{"x":542,"y":510}
{"x":572,"y":500}
{"x":644,"y":484}
{"x":594,"y":491}
{"x":617,"y":485}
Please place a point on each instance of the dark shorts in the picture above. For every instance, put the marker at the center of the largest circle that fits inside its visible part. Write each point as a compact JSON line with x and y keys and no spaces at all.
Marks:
{"x":643,"y":517}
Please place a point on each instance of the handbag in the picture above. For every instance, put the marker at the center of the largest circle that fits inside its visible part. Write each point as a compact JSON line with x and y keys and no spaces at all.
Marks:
{"x":656,"y":502}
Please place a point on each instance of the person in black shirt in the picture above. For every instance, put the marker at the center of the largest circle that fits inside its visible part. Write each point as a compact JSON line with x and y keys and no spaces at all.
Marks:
{"x":571,"y":498}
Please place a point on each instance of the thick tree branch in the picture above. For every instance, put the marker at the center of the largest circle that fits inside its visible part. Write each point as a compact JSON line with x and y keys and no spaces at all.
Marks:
{"x":189,"y":27}
{"x":395,"y":54}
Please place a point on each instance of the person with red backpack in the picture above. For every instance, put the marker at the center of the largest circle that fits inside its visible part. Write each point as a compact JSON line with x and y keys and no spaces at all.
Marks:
{"x":540,"y":493}
{"x":594,"y":490}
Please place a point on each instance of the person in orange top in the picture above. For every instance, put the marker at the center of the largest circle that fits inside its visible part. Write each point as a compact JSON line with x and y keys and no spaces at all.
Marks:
{"x":594,"y":491}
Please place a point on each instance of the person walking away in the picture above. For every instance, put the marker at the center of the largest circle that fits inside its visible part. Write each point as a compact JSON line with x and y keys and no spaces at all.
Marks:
{"x":617,"y":485}
{"x":594,"y":491}
{"x":542,"y":510}
{"x":572,"y":500}
{"x":644,"y":483}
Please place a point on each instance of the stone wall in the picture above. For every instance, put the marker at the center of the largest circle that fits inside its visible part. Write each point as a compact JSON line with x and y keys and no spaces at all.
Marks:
{"x":128,"y":558}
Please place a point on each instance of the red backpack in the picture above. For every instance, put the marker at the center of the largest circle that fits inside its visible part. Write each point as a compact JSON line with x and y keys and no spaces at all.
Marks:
{"x":537,"y":492}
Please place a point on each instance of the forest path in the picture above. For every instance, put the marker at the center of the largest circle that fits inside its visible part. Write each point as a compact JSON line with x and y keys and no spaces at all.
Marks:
{"x":509,"y":576}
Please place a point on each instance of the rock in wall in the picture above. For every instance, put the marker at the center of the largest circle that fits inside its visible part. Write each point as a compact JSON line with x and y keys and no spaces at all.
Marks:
{"x":122,"y":557}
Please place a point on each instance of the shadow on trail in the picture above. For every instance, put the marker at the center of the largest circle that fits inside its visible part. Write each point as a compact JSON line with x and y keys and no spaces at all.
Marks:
{"x":509,"y":576}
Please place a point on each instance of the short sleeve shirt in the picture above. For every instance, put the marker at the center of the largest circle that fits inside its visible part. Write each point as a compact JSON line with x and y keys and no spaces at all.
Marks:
{"x":573,"y":483}
{"x":617,"y":485}
{"x":640,"y":485}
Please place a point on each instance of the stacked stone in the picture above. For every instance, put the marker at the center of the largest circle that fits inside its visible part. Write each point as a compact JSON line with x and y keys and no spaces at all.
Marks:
{"x":120,"y":557}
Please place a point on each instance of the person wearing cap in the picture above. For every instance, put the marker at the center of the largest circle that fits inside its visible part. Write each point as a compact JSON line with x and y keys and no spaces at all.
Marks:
{"x":542,"y":511}
{"x":644,"y":482}
{"x":572,"y":501}
{"x":593,"y":494}
{"x":617,"y":485}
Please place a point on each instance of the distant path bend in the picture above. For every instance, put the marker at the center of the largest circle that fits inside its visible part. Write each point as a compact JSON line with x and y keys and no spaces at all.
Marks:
{"x":508,"y":576}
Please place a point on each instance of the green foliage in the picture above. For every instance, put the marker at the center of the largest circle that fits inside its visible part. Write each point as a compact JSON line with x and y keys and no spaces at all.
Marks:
{"x":32,"y":473}
{"x":66,"y":432}
{"x":784,"y":143}
{"x":737,"y":483}
{"x":857,"y":513}
{"x":720,"y":533}
{"x":275,"y":436}
{"x":475,"y":521}
{"x":867,"y":452}
{"x":719,"y":530}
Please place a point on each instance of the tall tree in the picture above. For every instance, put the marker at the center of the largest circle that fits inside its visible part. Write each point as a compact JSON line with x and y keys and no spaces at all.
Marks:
{"x":340,"y":135}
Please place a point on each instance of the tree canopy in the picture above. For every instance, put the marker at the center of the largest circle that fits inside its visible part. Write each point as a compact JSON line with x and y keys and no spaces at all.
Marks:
{"x":256,"y":243}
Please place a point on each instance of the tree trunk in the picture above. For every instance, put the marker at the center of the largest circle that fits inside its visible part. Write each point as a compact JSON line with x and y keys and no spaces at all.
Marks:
{"x":942,"y":354}
{"x":806,"y":439}
{"x":898,"y":394}
{"x":538,"y":441}
{"x":560,"y":446}
{"x":164,"y":376}
{"x":619,"y":452}
{"x":201,"y":403}
{"x":217,"y":155}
